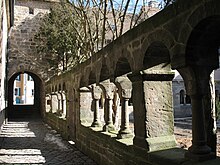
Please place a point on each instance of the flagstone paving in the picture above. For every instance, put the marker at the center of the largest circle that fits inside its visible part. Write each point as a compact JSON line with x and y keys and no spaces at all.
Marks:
{"x":33,"y":142}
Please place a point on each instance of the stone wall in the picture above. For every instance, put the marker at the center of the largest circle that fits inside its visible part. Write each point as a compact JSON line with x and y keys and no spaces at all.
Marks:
{"x":23,"y":53}
{"x":144,"y":56}
{"x":3,"y":53}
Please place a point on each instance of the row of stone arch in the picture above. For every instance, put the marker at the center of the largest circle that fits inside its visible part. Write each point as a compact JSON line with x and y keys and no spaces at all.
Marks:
{"x":145,"y":55}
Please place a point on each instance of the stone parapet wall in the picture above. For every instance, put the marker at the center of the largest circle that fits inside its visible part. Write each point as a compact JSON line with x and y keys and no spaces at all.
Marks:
{"x":57,"y":123}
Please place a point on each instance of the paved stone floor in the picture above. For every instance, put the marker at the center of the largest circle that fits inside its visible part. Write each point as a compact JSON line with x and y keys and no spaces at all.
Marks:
{"x":33,"y":142}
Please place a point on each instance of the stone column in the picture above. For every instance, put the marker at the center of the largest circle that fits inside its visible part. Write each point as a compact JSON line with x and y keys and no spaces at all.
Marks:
{"x":96,"y":95}
{"x":108,"y":89}
{"x":124,"y":87}
{"x":54,"y":102}
{"x":63,"y":104}
{"x":59,"y":98}
{"x":153,"y":109}
{"x":196,"y":81}
{"x":48,"y":107}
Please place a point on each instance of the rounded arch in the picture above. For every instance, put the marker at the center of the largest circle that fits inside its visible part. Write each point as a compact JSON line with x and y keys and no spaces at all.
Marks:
{"x":64,"y":87}
{"x":59,"y":87}
{"x":55,"y":88}
{"x":92,"y":77}
{"x":104,"y":72}
{"x":122,"y":67}
{"x":156,"y":53}
{"x":22,"y":111}
{"x":203,"y":43}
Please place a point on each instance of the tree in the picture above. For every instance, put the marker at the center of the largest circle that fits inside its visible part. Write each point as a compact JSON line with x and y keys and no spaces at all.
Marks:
{"x":56,"y":39}
{"x":74,"y":30}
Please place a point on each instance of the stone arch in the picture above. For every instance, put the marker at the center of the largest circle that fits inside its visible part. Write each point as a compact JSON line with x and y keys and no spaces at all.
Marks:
{"x":84,"y":77}
{"x":122,"y":67}
{"x":64,"y":87}
{"x":27,"y":111}
{"x":157,"y":53}
{"x":104,"y":72}
{"x":52,"y":89}
{"x":55,"y":88}
{"x":59,"y":87}
{"x":203,"y":43}
{"x":92,"y":78}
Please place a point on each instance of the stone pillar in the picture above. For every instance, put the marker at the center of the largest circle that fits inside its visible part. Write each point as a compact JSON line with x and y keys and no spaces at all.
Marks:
{"x":124,"y":88}
{"x":48,"y":107}
{"x":63,"y":104}
{"x":196,"y":81}
{"x":54,"y":103}
{"x":153,"y":109}
{"x":96,"y":95}
{"x":108,"y":89}
{"x":59,"y":98}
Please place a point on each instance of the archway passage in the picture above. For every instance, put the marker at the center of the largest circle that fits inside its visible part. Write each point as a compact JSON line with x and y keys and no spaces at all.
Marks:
{"x":24,"y":108}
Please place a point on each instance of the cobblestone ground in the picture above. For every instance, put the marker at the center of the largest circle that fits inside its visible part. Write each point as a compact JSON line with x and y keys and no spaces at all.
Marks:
{"x":33,"y":142}
{"x":183,"y":133}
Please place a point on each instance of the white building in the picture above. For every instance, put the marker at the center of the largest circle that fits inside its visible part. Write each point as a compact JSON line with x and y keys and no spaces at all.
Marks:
{"x":23,"y":89}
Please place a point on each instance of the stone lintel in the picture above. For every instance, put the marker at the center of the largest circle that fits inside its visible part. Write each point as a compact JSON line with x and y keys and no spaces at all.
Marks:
{"x":142,"y":76}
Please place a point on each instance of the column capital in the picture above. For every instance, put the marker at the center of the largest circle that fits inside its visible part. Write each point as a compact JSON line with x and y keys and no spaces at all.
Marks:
{"x":96,"y":92}
{"x":196,"y":79}
{"x":125,"y":86}
{"x":108,"y":89}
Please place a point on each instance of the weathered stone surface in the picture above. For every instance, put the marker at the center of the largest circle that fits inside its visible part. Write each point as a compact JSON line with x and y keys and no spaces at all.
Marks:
{"x":153,"y":112}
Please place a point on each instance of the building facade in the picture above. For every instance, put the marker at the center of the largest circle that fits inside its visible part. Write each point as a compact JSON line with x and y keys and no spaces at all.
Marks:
{"x":181,"y":101}
{"x":23,"y":89}
{"x":6,"y":21}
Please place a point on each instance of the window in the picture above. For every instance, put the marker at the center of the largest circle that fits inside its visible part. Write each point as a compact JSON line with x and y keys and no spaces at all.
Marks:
{"x":184,"y":98}
{"x":18,"y":100}
{"x":31,"y":10}
{"x":29,"y":78}
{"x":17,"y":92}
{"x":182,"y":94}
{"x":18,"y":78}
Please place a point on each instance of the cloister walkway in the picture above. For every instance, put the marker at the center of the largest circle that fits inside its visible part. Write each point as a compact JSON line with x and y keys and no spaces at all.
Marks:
{"x":33,"y":142}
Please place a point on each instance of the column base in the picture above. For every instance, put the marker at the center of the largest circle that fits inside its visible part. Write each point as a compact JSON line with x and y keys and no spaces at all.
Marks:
{"x":156,"y":143}
{"x":96,"y":124}
{"x":109,"y":128}
{"x":199,"y":153}
{"x":126,"y":133}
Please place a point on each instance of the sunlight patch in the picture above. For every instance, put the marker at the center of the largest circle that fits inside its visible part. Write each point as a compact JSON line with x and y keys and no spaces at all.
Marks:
{"x":10,"y":156}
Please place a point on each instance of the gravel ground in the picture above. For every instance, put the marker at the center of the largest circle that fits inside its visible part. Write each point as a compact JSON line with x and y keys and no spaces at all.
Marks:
{"x":183,"y":133}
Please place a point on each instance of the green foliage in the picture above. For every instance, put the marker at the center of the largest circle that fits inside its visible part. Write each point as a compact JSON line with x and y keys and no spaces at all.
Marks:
{"x":57,"y":38}
{"x":73,"y":31}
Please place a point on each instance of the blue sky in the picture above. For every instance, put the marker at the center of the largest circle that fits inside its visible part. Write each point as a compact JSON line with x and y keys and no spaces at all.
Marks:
{"x":132,"y":3}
